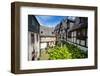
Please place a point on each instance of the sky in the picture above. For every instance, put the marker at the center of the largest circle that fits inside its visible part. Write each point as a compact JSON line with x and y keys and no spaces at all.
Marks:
{"x":50,"y":21}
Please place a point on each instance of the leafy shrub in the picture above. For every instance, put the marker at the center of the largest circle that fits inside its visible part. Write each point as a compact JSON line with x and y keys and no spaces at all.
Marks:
{"x":76,"y":51}
{"x":67,"y":51}
{"x":59,"y":53}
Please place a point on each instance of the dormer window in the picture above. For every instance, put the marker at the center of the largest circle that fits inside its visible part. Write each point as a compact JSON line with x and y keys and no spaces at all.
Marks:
{"x":41,"y":32}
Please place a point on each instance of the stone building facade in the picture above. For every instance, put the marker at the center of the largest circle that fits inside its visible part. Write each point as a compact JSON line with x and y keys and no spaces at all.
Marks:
{"x":33,"y":38}
{"x":47,"y":37}
{"x":73,"y":30}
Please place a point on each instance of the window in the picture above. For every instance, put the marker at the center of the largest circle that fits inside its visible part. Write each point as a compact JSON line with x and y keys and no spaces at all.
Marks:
{"x":81,"y":34}
{"x":63,"y":37}
{"x":69,"y":34}
{"x":41,"y":32}
{"x":32,"y":38}
{"x":68,"y":24}
{"x":78,"y":34}
{"x":37,"y":37}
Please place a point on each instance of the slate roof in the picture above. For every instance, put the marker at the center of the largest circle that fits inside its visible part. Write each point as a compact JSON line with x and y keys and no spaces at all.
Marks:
{"x":75,"y":21}
{"x":46,"y":31}
{"x":79,"y":26}
{"x":33,"y":25}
